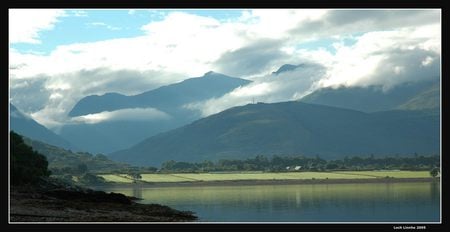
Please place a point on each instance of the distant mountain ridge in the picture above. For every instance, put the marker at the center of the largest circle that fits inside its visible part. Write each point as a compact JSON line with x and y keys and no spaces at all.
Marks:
{"x":109,"y":136}
{"x":165,"y":98}
{"x":25,"y":125}
{"x":373,"y":98}
{"x":290,"y":128}
{"x":287,"y":68}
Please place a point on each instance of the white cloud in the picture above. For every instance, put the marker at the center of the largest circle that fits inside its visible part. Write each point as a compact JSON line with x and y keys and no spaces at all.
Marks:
{"x":189,"y":43}
{"x":54,"y":96}
{"x":427,"y":61}
{"x":276,"y":23}
{"x":49,"y":98}
{"x":181,"y":45}
{"x":135,"y":114}
{"x":286,"y":86}
{"x":129,"y":65}
{"x":384,"y":58}
{"x":254,"y":90}
{"x":51,"y":116}
{"x":380,"y":58}
{"x":25,"y":24}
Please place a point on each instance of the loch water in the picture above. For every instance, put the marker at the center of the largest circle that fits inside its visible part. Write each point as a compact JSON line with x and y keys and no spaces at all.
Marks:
{"x":371,"y":202}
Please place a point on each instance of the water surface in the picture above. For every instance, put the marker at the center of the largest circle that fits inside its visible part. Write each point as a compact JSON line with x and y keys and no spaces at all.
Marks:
{"x":374,"y":202}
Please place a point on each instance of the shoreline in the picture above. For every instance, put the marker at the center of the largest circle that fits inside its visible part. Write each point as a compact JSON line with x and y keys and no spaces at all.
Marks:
{"x":63,"y":204}
{"x":264,"y":182}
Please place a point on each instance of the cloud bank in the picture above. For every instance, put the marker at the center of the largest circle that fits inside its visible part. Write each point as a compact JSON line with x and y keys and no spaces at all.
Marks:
{"x":285,"y":86}
{"x":362,"y":47}
{"x":135,"y":114}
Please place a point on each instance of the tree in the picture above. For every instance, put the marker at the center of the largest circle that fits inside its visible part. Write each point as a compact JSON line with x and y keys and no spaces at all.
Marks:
{"x":136,"y":176}
{"x":27,"y":165}
{"x":434,"y":172}
{"x":331,"y":166}
{"x":151,"y":169}
{"x":168,"y":165}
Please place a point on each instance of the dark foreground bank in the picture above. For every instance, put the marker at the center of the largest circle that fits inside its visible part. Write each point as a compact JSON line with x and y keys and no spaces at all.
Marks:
{"x":51,"y":202}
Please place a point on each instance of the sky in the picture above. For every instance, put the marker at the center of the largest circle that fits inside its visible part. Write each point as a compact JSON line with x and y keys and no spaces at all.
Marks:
{"x":59,"y":56}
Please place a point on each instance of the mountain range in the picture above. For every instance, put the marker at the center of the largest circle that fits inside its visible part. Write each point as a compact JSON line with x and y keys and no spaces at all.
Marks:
{"x":290,"y":128}
{"x":167,"y":98}
{"x":330,"y":122}
{"x":108,"y":136}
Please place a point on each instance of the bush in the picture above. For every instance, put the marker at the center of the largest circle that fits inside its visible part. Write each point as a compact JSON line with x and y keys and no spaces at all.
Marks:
{"x":434,"y":172}
{"x":27,"y":166}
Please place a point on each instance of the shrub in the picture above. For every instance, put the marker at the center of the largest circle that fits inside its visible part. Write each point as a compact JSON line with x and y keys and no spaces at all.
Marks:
{"x":89,"y":178}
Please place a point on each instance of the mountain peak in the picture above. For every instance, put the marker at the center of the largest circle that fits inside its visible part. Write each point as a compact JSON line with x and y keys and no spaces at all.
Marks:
{"x":286,"y":68}
{"x":210,"y":73}
{"x":214,"y":74}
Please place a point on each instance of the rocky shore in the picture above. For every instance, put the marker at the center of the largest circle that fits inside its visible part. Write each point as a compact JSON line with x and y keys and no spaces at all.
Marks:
{"x":50,"y":201}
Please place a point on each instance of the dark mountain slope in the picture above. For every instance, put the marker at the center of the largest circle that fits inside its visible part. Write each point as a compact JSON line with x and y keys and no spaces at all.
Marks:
{"x":290,"y":128}
{"x":373,"y":98}
{"x":24,"y":125}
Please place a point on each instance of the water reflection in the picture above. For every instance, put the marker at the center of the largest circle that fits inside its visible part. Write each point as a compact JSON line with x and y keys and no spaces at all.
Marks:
{"x":137,"y":191}
{"x":398,"y":202}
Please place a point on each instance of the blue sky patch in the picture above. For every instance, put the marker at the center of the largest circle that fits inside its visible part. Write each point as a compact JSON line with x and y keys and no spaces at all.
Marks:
{"x":83,"y":26}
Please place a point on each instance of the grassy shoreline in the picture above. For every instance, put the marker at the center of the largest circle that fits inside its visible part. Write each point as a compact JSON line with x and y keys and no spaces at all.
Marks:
{"x":268,"y":182}
{"x":236,"y":179}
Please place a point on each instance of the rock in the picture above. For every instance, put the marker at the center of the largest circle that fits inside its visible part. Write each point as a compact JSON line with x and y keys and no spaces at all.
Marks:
{"x":51,"y":201}
{"x":90,"y":196}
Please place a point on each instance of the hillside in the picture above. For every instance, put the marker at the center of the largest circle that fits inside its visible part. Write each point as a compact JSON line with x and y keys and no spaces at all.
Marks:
{"x":428,"y":99}
{"x":25,"y":125}
{"x":62,"y":159}
{"x":290,"y":128}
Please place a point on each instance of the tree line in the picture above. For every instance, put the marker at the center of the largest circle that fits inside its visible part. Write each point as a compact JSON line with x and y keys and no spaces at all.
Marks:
{"x":303,"y":163}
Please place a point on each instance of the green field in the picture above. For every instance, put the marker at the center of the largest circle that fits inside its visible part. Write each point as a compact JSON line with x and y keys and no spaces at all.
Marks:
{"x":192,"y":177}
{"x":117,"y":178}
{"x":395,"y":174}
